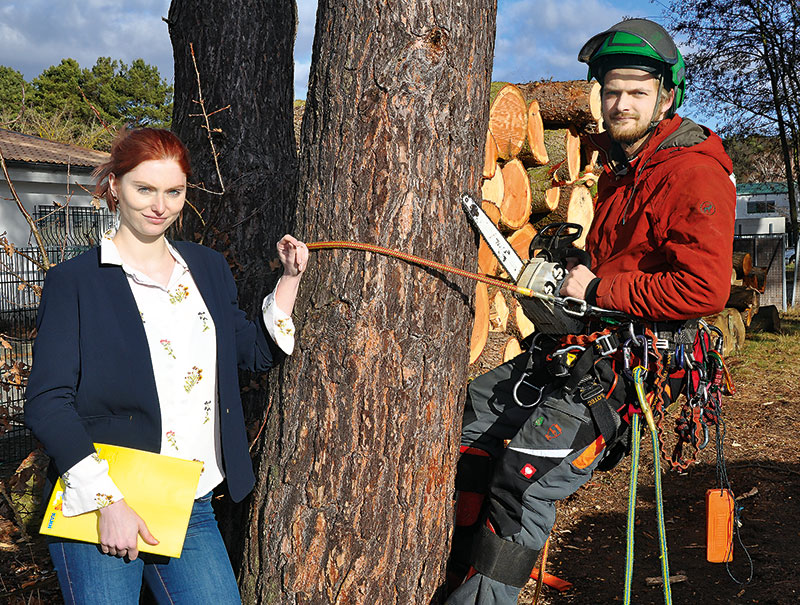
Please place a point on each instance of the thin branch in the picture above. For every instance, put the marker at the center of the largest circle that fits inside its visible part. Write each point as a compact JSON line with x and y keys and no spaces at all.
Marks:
{"x":201,"y":102}
{"x":45,"y":264}
{"x":97,"y":113}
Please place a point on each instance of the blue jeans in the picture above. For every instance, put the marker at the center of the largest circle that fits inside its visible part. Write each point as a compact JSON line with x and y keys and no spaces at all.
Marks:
{"x":202,"y":574}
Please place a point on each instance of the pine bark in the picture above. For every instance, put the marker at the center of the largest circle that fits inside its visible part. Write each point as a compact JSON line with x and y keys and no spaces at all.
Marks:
{"x":245,"y":61}
{"x":256,"y":149}
{"x":353,"y":502}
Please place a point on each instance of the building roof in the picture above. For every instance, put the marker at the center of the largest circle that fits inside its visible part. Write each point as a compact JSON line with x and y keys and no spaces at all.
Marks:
{"x":761,"y":188}
{"x":28,"y":148}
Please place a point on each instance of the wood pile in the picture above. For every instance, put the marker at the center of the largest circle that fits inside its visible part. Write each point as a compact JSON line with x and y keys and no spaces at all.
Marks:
{"x":537,"y":170}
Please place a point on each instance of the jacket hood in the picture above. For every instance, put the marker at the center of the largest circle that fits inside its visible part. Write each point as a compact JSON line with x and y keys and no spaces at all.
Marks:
{"x":673,"y":136}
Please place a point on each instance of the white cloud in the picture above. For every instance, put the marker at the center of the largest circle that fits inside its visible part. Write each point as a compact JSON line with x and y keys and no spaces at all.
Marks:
{"x":43,"y":32}
{"x":541,"y":38}
{"x":535,"y":38}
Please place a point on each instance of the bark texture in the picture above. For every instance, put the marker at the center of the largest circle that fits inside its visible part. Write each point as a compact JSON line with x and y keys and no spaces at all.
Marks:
{"x":353,"y":502}
{"x":244,"y":61}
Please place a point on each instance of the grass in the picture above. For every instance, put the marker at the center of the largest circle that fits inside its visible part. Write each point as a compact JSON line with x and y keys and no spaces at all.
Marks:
{"x":764,"y":353}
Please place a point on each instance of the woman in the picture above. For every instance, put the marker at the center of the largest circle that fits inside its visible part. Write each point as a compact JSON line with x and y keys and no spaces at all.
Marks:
{"x":138,"y":345}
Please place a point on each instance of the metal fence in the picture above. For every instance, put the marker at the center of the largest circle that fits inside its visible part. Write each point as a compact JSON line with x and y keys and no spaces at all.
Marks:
{"x":66,"y":233}
{"x":768,"y":251}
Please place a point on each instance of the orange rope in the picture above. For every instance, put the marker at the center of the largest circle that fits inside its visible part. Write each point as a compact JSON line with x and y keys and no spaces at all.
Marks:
{"x":540,"y":579}
{"x":417,"y":260}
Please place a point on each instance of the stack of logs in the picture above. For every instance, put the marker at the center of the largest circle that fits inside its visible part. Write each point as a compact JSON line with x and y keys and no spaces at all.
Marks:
{"x":743,"y":311}
{"x":538,"y":169}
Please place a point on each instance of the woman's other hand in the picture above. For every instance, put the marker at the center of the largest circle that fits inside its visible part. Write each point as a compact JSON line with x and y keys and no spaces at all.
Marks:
{"x":119,"y":528}
{"x":294,"y":256}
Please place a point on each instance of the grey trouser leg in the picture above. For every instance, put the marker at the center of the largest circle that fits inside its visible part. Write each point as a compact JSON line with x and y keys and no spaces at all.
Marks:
{"x":539,"y":466}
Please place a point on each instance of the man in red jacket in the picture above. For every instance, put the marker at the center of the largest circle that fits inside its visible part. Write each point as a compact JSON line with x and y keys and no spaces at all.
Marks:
{"x":660,"y":247}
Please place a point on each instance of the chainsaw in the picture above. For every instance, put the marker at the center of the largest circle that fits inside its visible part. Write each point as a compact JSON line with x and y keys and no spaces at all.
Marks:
{"x":542,"y":275}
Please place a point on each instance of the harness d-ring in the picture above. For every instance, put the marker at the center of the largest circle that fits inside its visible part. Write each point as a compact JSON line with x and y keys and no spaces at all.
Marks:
{"x":523,"y":381}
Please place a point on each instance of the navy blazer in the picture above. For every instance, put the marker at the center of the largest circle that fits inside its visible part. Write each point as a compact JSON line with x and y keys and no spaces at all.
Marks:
{"x":92,"y":376}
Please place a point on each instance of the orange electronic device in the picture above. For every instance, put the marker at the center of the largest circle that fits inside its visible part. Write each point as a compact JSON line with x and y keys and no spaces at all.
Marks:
{"x":719,"y":525}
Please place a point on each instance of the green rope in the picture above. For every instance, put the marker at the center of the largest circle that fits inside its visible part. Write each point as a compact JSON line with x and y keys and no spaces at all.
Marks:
{"x":636,"y":434}
{"x":638,"y":380}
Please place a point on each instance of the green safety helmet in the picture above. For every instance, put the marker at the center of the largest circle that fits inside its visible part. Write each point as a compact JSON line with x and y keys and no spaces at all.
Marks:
{"x":637,"y":44}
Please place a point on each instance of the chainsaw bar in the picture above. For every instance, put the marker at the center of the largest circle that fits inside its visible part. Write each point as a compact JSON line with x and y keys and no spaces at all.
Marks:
{"x":506,"y":255}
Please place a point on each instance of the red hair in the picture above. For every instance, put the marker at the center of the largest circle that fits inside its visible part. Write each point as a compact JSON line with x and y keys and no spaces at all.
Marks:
{"x":131,"y":148}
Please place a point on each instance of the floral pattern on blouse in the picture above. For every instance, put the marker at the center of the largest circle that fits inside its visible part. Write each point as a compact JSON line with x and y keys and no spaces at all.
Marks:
{"x":103,"y":500}
{"x":204,"y":320}
{"x":193,"y":376}
{"x":168,"y":347}
{"x":179,"y":294}
{"x":171,"y":439}
{"x":207,"y":410}
{"x":285,"y":326}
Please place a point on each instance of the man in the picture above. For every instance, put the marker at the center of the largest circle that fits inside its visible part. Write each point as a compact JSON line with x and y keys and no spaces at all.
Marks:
{"x":660,"y":247}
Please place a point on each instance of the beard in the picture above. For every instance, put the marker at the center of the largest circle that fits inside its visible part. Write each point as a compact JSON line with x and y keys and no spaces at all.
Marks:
{"x":630,"y":131}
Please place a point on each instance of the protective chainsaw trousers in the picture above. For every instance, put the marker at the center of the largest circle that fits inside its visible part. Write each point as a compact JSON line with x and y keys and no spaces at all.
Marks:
{"x":553,"y":447}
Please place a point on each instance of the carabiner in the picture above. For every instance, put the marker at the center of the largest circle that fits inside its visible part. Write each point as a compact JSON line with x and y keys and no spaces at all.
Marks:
{"x":642,"y":340}
{"x":703,"y":445}
{"x":570,"y":301}
{"x":523,"y":381}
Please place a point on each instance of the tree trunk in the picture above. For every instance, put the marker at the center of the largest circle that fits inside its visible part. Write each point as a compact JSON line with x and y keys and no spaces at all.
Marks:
{"x":256,"y":147}
{"x":353,"y":502}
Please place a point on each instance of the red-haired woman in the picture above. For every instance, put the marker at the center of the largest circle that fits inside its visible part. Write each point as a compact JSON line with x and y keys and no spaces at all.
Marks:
{"x":138,"y":345}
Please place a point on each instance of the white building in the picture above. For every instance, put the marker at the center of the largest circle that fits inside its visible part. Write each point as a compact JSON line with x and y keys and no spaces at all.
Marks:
{"x":53,"y":181}
{"x":761,"y":208}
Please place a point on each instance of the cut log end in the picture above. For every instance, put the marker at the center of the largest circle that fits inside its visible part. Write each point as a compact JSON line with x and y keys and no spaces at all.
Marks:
{"x":508,"y":116}
{"x":490,"y":155}
{"x":516,"y":207}
{"x":480,"y":325}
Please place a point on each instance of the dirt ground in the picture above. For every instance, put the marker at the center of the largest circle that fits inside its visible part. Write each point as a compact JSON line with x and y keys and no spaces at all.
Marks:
{"x":588,"y":543}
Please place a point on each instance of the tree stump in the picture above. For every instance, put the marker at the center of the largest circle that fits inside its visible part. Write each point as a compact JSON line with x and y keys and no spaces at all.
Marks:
{"x":768,"y":319}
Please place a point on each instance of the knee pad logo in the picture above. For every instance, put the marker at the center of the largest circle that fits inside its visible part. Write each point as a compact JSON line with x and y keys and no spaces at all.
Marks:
{"x":528,"y":471}
{"x":553,"y":431}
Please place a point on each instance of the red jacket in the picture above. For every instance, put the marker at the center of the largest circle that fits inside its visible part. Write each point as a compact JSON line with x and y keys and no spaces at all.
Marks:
{"x":662,"y":237}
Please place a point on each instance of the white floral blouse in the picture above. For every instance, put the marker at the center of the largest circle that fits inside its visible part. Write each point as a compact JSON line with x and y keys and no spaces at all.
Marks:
{"x":182,"y":341}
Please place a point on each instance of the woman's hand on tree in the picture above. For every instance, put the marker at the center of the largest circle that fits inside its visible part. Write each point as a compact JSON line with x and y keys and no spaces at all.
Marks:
{"x":294,"y":256}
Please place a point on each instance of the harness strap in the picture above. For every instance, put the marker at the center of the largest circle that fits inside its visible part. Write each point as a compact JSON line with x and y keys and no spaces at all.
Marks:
{"x":502,"y":560}
{"x":584,"y":387}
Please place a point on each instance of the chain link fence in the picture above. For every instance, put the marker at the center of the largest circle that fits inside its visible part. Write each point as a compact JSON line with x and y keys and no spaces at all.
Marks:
{"x":66,"y":232}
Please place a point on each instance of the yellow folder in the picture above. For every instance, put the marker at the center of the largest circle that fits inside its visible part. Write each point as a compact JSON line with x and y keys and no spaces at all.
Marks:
{"x":161,"y":489}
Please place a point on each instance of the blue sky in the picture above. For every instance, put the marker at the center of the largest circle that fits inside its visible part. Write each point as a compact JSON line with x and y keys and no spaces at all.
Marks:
{"x":535,"y":38}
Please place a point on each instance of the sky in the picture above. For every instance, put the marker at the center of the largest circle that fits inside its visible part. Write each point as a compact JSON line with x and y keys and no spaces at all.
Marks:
{"x":535,"y":38}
